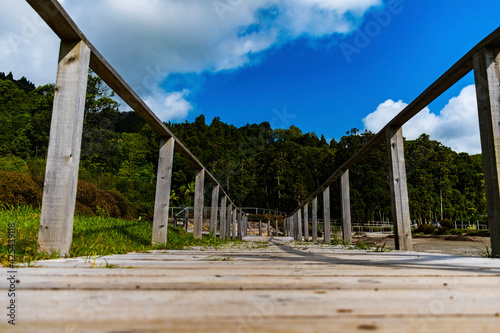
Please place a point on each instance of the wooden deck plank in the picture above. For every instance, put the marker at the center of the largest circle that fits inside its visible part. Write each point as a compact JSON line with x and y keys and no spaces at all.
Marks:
{"x":275,"y":288}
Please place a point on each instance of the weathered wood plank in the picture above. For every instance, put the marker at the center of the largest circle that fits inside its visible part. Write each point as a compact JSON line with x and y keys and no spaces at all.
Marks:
{"x":487,"y":75}
{"x":215,"y":207}
{"x":63,"y":156}
{"x":399,"y":191}
{"x":326,"y":215}
{"x":198,"y":203}
{"x":345,"y":197}
{"x":163,"y":186}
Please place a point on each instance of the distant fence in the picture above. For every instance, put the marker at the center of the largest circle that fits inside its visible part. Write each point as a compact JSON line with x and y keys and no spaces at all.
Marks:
{"x":484,"y":60}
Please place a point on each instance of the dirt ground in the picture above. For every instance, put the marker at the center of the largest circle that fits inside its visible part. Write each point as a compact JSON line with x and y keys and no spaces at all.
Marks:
{"x":457,"y":245}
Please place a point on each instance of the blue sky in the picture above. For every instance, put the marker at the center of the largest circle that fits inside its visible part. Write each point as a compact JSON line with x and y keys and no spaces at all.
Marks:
{"x":325,"y":66}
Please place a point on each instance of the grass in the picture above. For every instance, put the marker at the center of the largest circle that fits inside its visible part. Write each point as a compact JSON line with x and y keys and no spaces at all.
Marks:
{"x":92,"y":236}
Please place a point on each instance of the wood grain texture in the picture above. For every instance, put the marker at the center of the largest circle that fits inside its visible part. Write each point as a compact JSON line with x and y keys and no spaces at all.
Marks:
{"x":284,"y":287}
{"x":63,"y":156}
{"x":163,"y":186}
{"x":487,"y":76}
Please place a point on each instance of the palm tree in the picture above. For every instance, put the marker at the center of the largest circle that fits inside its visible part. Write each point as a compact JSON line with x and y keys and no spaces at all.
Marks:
{"x":174,"y":198}
{"x":187,"y":191}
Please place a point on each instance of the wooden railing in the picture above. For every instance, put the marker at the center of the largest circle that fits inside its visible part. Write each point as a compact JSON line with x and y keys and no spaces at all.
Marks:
{"x":76,"y":55}
{"x":484,"y":59}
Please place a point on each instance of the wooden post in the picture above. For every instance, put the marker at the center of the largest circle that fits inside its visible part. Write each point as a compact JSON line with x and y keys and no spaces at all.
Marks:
{"x":241,"y":225}
{"x":299,"y":225}
{"x":215,"y":208}
{"x":399,"y":191}
{"x":487,"y":75}
{"x":306,"y":222}
{"x":276,"y":229}
{"x":345,"y":197}
{"x":229,"y":221}
{"x":268,"y":228}
{"x":315,"y":219}
{"x":186,"y":218}
{"x":235,"y":219}
{"x":246,"y":224}
{"x":326,"y":215}
{"x":222,"y":229}
{"x":260,"y":227}
{"x":63,"y":157}
{"x":198,"y":203}
{"x":163,"y":185}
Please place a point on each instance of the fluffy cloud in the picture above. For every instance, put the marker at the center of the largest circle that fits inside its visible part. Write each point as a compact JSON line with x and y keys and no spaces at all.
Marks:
{"x":148,"y":40}
{"x":171,"y":106}
{"x":456,"y":126}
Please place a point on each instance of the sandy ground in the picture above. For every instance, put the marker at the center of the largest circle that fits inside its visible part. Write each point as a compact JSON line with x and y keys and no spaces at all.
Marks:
{"x":457,"y":245}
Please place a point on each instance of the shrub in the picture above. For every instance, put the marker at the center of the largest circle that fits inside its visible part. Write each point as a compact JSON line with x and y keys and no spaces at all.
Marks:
{"x":94,"y":201}
{"x":447,"y":224}
{"x":19,"y":189}
{"x":426,"y":228}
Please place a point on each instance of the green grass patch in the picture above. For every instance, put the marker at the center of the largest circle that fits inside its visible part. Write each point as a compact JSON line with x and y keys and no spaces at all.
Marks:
{"x":92,"y":236}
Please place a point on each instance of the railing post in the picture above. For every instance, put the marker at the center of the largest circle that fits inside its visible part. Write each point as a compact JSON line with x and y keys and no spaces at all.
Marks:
{"x":235,"y":219}
{"x":326,"y":215}
{"x":163,"y":185}
{"x":277,"y":232}
{"x":268,"y":228}
{"x":215,"y":207}
{"x":229,"y":221}
{"x":299,"y":224}
{"x":198,"y":203}
{"x":260,"y":227}
{"x":306,"y":222}
{"x":222,"y":229}
{"x":399,"y":191}
{"x":346,"y":206}
{"x":63,"y":157}
{"x":186,"y":218}
{"x":240,"y":226}
{"x":487,"y":75}
{"x":315,"y":219}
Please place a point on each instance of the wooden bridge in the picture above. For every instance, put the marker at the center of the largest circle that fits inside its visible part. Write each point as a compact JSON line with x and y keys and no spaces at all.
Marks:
{"x":266,"y":287}
{"x":259,"y":287}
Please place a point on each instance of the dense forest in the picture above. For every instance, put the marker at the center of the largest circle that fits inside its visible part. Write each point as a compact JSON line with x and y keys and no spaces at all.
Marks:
{"x":257,"y":165}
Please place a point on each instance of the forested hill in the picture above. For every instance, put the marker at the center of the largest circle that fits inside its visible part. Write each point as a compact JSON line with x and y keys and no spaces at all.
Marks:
{"x":258,"y":165}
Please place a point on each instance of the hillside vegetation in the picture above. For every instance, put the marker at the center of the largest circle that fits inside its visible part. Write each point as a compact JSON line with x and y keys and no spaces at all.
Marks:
{"x":257,"y":165}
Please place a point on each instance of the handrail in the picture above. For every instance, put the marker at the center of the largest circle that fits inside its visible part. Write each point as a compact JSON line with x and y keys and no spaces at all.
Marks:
{"x":436,"y":89}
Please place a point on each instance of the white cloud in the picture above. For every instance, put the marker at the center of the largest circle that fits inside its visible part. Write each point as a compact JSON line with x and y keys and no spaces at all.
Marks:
{"x":169,"y":106}
{"x":148,"y":40}
{"x":456,"y":126}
